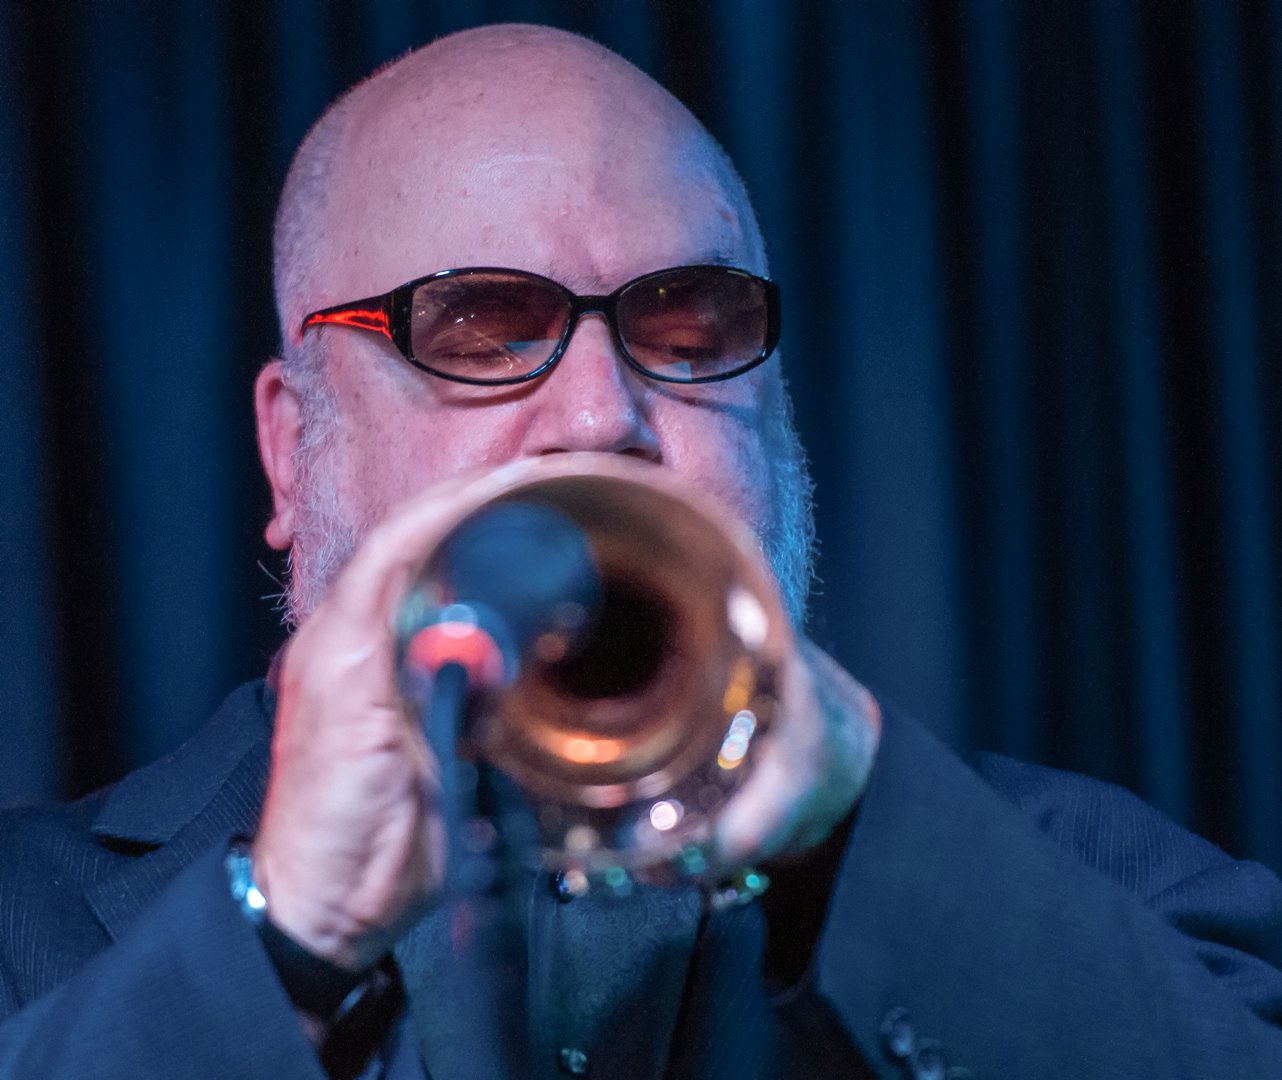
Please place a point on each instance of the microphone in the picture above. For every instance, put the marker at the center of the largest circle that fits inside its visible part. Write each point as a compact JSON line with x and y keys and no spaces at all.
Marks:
{"x":516,"y":580}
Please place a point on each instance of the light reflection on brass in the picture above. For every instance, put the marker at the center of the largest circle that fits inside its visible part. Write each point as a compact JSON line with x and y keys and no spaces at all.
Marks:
{"x":735,"y":745}
{"x":665,"y":814}
{"x":586,"y":751}
{"x":739,"y":690}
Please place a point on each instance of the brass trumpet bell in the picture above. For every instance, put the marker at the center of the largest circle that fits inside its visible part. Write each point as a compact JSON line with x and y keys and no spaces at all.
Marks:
{"x":630,"y":739}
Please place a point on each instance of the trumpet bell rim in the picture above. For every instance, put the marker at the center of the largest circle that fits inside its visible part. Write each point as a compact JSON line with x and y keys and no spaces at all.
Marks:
{"x":634,"y":779}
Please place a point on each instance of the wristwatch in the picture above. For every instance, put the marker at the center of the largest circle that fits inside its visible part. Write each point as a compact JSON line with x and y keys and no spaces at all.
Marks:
{"x":359,"y":1008}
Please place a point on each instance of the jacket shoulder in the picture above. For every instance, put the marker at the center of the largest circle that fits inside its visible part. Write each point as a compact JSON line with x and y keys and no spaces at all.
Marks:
{"x":48,"y":858}
{"x":1106,"y":826}
{"x":1231,"y":910}
{"x":131,"y":839}
{"x":53,"y":840}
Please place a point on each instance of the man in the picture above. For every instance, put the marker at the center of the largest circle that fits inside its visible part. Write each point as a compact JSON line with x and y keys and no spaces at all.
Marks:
{"x":924,"y":921}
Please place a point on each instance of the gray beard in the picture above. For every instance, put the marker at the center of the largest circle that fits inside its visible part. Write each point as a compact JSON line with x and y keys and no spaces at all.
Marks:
{"x":327,"y":532}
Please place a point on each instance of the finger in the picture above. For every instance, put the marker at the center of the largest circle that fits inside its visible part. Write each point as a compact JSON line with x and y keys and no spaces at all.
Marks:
{"x":761,"y":818}
{"x":854,"y":727}
{"x":380,"y":571}
{"x":812,"y":768}
{"x":396,"y":550}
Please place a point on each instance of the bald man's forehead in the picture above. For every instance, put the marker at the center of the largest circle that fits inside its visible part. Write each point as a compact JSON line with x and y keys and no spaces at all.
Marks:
{"x":555,"y":169}
{"x":517,"y":90}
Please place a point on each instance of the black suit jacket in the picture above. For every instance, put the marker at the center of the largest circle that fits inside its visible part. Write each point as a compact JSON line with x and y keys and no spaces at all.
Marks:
{"x":1016,"y":921}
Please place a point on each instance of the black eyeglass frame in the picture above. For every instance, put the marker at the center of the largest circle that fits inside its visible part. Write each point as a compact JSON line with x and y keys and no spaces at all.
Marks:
{"x":390,"y":315}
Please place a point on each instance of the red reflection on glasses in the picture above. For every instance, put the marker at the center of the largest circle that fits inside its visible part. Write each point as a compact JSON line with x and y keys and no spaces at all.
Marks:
{"x":364,"y":318}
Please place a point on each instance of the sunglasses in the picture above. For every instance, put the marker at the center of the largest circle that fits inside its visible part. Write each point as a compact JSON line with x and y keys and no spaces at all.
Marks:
{"x":491,"y":327}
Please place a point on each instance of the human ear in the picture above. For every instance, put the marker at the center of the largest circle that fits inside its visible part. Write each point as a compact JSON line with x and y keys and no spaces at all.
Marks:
{"x":279,"y":420}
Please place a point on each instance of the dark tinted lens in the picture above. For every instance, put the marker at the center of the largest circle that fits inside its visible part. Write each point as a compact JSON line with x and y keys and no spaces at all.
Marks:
{"x":490,"y":326}
{"x":694,"y":323}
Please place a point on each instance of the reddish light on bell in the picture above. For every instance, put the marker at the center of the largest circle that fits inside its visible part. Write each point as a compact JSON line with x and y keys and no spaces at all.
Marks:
{"x":462,"y":643}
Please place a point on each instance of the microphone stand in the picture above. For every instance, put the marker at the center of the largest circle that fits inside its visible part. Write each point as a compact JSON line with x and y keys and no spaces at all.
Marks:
{"x":484,"y":870}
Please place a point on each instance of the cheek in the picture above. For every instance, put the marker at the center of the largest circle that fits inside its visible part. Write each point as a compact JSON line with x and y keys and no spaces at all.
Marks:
{"x":722,"y":453}
{"x":395,"y":445}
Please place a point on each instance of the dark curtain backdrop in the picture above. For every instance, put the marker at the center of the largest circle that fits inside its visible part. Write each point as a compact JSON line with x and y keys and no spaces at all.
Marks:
{"x":1031,"y":256}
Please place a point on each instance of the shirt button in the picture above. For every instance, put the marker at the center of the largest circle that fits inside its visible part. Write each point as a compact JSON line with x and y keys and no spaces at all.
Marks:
{"x":574,"y":1062}
{"x":897,"y":1030}
{"x":567,"y":884}
{"x":561,"y":888}
{"x":928,"y":1061}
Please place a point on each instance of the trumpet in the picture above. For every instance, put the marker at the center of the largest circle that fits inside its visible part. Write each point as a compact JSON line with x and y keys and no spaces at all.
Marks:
{"x":629,"y":706}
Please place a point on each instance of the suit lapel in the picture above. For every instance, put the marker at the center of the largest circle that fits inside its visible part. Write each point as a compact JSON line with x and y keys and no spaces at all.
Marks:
{"x":208,"y":790}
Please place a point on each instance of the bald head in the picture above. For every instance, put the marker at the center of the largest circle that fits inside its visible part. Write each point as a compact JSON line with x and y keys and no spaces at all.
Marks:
{"x":504,"y":115}
{"x":533,"y":149}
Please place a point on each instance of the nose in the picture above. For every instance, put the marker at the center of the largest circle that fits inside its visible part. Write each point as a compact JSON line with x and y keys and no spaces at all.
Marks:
{"x":591,"y":400}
